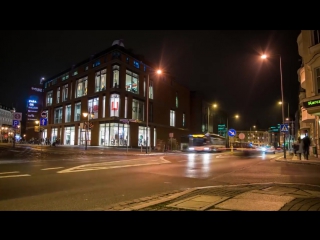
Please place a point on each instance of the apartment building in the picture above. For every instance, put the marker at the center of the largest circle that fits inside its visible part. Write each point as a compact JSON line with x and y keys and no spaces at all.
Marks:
{"x":7,"y":131}
{"x":309,"y":77}
{"x":102,"y":101}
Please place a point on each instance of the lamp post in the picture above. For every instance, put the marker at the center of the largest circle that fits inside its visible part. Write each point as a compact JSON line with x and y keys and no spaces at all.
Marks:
{"x":227,"y":143}
{"x":40,"y":140}
{"x":214,"y":106}
{"x":147,"y":108}
{"x":284,"y":134}
{"x":86,"y":125}
{"x":250,"y":131}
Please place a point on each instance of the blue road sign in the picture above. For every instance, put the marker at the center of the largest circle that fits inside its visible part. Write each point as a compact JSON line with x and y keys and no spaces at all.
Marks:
{"x":284,"y":128}
{"x":43,"y":121}
{"x":231,"y":132}
{"x":15,"y":123}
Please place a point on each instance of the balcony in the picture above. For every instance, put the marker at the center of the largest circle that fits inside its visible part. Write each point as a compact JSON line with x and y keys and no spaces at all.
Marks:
{"x":304,"y":125}
{"x":300,"y":44}
{"x":302,"y":95}
{"x":314,"y":49}
{"x":302,"y":77}
{"x":306,"y":117}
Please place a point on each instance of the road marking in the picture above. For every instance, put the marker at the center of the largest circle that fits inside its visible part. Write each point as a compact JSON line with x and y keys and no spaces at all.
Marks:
{"x":22,"y":175}
{"x":51,"y":168}
{"x":115,"y":164}
{"x":8,"y":172}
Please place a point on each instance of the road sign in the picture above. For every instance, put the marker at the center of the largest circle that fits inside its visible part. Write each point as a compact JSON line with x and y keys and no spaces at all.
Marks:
{"x":284,"y":128}
{"x":242,"y":136}
{"x":17,"y":116}
{"x":15,"y":123}
{"x":232,"y":132}
{"x":43,"y":121}
{"x":44,"y":114}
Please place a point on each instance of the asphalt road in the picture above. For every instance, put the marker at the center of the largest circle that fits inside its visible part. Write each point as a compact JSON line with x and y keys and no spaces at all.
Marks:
{"x":62,"y":178}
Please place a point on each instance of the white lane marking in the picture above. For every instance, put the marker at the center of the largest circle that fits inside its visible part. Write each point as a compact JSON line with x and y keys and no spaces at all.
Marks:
{"x":44,"y":169}
{"x":112,"y":165}
{"x":22,"y":175}
{"x":8,"y":172}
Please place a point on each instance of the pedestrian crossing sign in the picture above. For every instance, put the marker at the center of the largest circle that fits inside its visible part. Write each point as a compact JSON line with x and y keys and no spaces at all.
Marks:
{"x":284,"y":128}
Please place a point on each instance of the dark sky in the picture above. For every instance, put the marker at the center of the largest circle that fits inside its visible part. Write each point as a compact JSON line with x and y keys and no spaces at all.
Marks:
{"x":224,"y":65}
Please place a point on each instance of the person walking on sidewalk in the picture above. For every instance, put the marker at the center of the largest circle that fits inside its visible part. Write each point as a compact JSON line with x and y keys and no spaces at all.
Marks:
{"x":306,"y":145}
{"x":300,"y":150}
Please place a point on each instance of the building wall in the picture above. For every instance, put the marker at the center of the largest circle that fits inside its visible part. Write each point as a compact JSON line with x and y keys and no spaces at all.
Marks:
{"x":309,"y":50}
{"x":164,"y":98}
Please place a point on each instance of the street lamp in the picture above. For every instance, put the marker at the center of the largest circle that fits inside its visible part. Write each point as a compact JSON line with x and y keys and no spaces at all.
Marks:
{"x":288,"y":108}
{"x":147,"y":108}
{"x":38,"y":126}
{"x":87,"y":127}
{"x":250,"y":131}
{"x":214,"y":106}
{"x":284,"y":139}
{"x":227,"y":143}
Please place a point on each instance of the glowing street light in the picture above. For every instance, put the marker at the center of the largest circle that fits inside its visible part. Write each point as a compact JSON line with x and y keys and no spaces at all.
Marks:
{"x":250,"y":131}
{"x":284,"y":141}
{"x":214,"y":105}
{"x":147,"y":107}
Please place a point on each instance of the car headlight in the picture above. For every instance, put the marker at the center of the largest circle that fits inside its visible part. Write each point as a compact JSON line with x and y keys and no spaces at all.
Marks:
{"x":263,"y":149}
{"x":206,"y":149}
{"x":191,"y":148}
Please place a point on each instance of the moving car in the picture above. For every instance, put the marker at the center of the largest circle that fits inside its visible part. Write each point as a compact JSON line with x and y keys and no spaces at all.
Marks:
{"x":268,"y":149}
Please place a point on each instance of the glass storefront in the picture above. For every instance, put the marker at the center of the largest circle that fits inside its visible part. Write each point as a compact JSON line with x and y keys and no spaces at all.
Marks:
{"x":82,"y":137}
{"x":114,"y":134}
{"x":142,"y":136}
{"x":69,"y":133}
{"x":54,"y":134}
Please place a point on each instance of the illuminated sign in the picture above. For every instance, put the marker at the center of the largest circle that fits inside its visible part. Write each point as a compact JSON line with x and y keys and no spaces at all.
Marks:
{"x":197,"y":135}
{"x":274,"y":129}
{"x":32,"y":108}
{"x":36,"y":89}
{"x":312,"y":103}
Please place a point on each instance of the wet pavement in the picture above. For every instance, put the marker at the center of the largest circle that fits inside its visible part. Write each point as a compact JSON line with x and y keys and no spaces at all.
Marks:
{"x":243,"y":197}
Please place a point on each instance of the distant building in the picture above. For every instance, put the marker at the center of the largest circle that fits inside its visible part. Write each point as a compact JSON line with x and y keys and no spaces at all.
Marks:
{"x":111,"y":87}
{"x":34,"y":106}
{"x":7,"y":132}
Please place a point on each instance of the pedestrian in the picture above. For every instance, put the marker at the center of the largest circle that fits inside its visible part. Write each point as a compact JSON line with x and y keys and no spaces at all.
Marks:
{"x":300,"y":150}
{"x":306,"y":145}
{"x":295,"y":147}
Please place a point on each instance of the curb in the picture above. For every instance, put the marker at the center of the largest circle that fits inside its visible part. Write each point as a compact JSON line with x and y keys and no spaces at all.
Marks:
{"x":161,"y":200}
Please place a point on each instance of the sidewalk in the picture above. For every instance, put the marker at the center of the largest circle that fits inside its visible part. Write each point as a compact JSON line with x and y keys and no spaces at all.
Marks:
{"x":246,"y":197}
{"x":295,"y":159}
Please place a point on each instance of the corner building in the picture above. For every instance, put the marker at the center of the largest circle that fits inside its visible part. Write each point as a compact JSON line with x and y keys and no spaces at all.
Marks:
{"x":111,"y":87}
{"x":309,"y":77}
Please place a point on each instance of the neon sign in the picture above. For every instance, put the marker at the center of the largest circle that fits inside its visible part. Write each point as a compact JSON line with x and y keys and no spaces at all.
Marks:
{"x":312,"y":103}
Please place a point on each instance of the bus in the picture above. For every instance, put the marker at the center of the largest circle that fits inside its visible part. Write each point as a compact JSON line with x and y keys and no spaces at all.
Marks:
{"x":209,"y":142}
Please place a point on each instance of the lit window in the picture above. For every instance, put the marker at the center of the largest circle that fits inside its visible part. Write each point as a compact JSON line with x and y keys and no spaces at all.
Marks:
{"x":132,"y":82}
{"x":172,"y":118}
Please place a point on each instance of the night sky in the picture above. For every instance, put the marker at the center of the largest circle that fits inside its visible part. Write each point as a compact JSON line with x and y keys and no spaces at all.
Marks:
{"x":224,"y":65}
